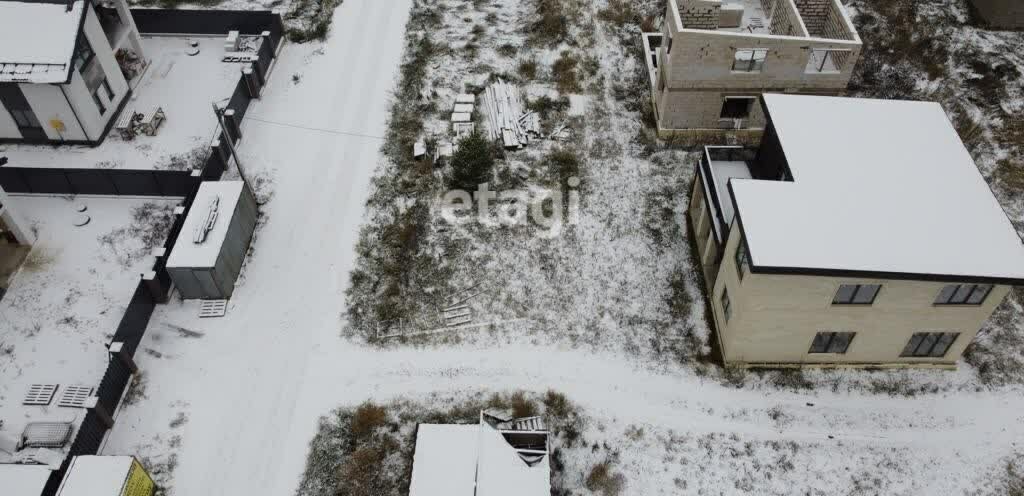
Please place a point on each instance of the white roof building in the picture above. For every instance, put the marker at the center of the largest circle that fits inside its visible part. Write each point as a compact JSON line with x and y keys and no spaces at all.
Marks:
{"x":477,"y":460}
{"x":876,"y":187}
{"x":40,"y":40}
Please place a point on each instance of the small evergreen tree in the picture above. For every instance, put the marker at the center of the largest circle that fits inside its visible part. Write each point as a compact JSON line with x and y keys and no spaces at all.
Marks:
{"x":472,"y":163}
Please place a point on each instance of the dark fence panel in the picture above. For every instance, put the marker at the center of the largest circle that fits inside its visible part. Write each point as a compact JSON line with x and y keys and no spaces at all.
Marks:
{"x":46,"y":181}
{"x":136,"y":318}
{"x":89,"y":437}
{"x":213,"y":22}
{"x":265,"y":57}
{"x":12,"y":180}
{"x":112,"y":386}
{"x":97,"y":181}
{"x":240,"y":99}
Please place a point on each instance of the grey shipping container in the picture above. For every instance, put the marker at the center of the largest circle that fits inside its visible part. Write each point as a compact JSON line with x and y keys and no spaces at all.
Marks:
{"x":208,"y":255}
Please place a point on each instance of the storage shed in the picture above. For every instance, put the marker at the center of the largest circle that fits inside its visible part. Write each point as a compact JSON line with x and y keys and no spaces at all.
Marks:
{"x":207,"y":257}
{"x":92,"y":475}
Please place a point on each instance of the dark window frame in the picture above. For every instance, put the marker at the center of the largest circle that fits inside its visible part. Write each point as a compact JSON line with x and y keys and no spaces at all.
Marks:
{"x":726,"y":305}
{"x":98,"y":101}
{"x":742,"y":261}
{"x":825,"y":342}
{"x":856,"y":294}
{"x":83,"y":47}
{"x":929,"y":344}
{"x":728,"y":112}
{"x":25,"y":118}
{"x":752,"y":65}
{"x":107,"y":89}
{"x":949,"y":294}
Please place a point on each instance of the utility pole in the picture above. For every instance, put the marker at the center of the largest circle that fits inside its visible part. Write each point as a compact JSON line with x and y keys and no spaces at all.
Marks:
{"x":231,"y":145}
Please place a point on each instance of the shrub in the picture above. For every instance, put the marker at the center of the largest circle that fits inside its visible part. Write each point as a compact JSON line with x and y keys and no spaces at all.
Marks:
{"x":565,"y":163}
{"x":319,"y":20}
{"x":556,"y":404}
{"x":472,"y":163}
{"x":522,"y":406}
{"x":602,"y":480}
{"x":545,"y":105}
{"x":367,"y":418}
{"x":563,"y":71}
{"x":618,"y":12}
{"x":508,"y":50}
{"x":360,"y":474}
{"x":528,"y":69}
{"x":551,"y":24}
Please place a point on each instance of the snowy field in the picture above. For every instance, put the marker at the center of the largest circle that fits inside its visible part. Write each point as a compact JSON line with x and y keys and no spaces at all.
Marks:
{"x":66,"y":301}
{"x":184,"y":86}
{"x":613,"y":317}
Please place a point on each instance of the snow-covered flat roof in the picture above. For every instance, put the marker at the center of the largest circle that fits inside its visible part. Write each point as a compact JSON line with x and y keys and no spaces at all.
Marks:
{"x":445,"y":460}
{"x":28,"y":480}
{"x":96,"y":476}
{"x":878,"y":186}
{"x":187,"y":253}
{"x":501,"y":471}
{"x":39,"y":39}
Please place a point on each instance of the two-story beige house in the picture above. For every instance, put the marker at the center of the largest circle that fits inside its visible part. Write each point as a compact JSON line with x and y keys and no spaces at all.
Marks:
{"x":860,"y":232}
{"x":713,"y":58}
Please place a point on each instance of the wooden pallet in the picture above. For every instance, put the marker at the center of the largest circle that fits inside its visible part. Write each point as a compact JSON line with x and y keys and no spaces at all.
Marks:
{"x":74,"y":396}
{"x":457,"y":315}
{"x":528,"y":424}
{"x":213,"y":308}
{"x":40,"y":394}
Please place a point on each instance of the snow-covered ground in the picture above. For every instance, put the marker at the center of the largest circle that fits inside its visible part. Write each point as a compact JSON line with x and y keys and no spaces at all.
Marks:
{"x":184,"y":86}
{"x":66,"y":301}
{"x":228,"y":406}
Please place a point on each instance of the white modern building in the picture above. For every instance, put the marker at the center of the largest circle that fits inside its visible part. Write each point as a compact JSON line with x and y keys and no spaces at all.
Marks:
{"x":500,"y":456}
{"x":63,"y":67}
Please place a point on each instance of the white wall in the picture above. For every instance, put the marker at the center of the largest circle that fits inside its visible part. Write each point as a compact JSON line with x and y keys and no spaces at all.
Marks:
{"x":13,"y":222}
{"x":8,"y":128}
{"x":49,"y":103}
{"x":81,"y":97}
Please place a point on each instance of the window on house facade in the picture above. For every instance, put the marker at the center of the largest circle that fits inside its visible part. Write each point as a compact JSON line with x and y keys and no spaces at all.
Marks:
{"x":856,"y":294}
{"x":83,"y":53}
{"x":929,"y":344}
{"x":963,"y":294}
{"x":742,"y":260}
{"x":107,"y":89}
{"x":736,"y":107}
{"x":831,"y":342}
{"x":99,"y":102}
{"x":827,"y":60}
{"x":24,"y":118}
{"x":726,"y":305}
{"x":749,"y":59}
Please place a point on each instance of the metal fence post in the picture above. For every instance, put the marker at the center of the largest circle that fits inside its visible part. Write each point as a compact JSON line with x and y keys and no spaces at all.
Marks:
{"x":92,"y":404}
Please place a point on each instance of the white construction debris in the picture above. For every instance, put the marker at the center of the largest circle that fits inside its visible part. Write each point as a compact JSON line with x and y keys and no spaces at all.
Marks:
{"x":506,"y":119}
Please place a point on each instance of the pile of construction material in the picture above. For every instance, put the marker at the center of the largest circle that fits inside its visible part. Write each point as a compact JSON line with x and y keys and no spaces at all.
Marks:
{"x":462,"y":115}
{"x":507,"y":119}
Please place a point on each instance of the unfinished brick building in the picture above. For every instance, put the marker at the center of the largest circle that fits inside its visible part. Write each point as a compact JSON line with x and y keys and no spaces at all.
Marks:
{"x":713,"y":58}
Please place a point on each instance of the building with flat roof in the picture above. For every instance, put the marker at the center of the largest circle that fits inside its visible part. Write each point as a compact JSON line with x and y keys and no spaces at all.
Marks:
{"x":500,"y":456}
{"x":859,"y":232}
{"x":713,"y":58}
{"x":62,"y":69}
